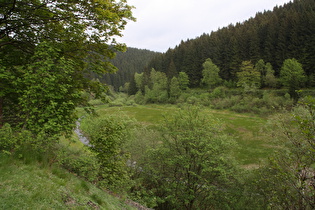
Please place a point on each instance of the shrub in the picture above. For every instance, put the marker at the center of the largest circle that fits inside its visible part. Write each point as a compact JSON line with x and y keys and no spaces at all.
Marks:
{"x":240,"y":108}
{"x":255,"y":102}
{"x":117,"y":102}
{"x":183,"y":97}
{"x":205,"y":99}
{"x":229,"y":84}
{"x":218,"y":92}
{"x":226,"y":103}
{"x":8,"y":141}
{"x":193,"y":100}
{"x":107,"y":135}
{"x":139,"y":98}
{"x":287,"y":181}
{"x":130,"y":102}
{"x":190,"y":168}
{"x":96,"y":102}
{"x":26,"y":146}
{"x":80,"y":162}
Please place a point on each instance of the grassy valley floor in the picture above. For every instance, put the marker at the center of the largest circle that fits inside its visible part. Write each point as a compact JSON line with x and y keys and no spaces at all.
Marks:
{"x":253,"y":144}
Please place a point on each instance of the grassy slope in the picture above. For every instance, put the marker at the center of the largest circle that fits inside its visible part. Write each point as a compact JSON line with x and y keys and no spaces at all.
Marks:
{"x":253,"y":145}
{"x":34,"y":186}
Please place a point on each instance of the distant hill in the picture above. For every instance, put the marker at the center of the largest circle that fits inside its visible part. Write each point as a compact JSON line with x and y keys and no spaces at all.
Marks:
{"x":286,"y":32}
{"x":128,"y":63}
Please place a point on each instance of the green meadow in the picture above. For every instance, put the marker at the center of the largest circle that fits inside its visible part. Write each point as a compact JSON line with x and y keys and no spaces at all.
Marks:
{"x":253,"y":144}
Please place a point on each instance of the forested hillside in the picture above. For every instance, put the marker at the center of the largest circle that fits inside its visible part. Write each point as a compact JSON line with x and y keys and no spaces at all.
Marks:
{"x":239,"y":142}
{"x":128,"y":63}
{"x":274,"y":36}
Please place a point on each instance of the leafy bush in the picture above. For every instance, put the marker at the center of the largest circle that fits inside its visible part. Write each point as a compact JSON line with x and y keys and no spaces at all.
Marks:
{"x":107,"y":135}
{"x":205,"y":99}
{"x":229,"y":84}
{"x":117,"y":102}
{"x":183,"y":97}
{"x":27,"y":146}
{"x":241,"y":108}
{"x":218,"y":92}
{"x":287,"y":182}
{"x":96,"y":102}
{"x":139,"y":98}
{"x":226,"y":103}
{"x":80,"y":162}
{"x":193,"y":100}
{"x":190,"y":168}
{"x":8,"y":141}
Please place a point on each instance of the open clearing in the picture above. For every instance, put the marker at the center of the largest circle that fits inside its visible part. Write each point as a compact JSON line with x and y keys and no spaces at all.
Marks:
{"x":253,"y":145}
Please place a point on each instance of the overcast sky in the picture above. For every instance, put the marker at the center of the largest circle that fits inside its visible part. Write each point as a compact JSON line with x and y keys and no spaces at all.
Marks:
{"x":162,"y":24}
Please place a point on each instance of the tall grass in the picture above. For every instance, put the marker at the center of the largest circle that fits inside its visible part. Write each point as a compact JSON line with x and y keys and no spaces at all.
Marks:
{"x":34,"y":186}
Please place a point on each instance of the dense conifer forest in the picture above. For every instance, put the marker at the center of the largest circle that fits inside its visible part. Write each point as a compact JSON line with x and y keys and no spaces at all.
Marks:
{"x":128,"y":63}
{"x":274,"y":36}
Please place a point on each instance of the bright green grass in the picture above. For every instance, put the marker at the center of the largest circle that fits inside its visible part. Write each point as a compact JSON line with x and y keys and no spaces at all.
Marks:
{"x":254,"y":146}
{"x":148,"y":114}
{"x":33,"y":186}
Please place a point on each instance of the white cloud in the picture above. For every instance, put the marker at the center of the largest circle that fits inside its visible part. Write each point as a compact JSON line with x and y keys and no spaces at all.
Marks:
{"x":162,"y":24}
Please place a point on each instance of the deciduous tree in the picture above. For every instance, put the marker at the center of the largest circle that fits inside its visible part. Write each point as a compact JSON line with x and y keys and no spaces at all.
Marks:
{"x":270,"y":79}
{"x":292,"y":76}
{"x":210,"y":74}
{"x":158,"y":91}
{"x":260,"y":66}
{"x":49,"y":92}
{"x":183,"y":80}
{"x":139,"y":79}
{"x":175,"y":90}
{"x":82,"y":32}
{"x":248,"y":76}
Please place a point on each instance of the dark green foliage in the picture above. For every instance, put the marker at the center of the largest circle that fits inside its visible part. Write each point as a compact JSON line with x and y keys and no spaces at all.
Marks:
{"x":286,"y":32}
{"x":172,"y":72}
{"x":128,"y":63}
{"x":75,"y":27}
{"x":260,"y":66}
{"x":270,"y":80}
{"x":156,"y":91}
{"x":132,"y":89}
{"x":46,"y":50}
